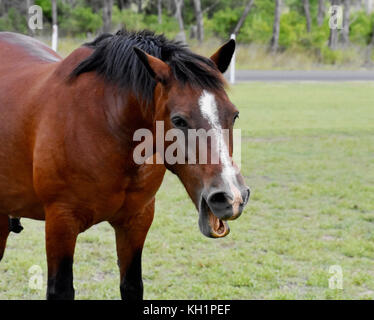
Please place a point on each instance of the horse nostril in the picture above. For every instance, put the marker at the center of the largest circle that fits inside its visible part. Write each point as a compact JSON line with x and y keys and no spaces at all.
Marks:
{"x":247,"y":194}
{"x":219,"y":199}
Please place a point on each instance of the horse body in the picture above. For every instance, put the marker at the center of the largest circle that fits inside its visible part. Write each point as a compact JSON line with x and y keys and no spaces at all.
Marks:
{"x":44,"y":130}
{"x":66,"y":156}
{"x":18,"y":71}
{"x":56,"y":150}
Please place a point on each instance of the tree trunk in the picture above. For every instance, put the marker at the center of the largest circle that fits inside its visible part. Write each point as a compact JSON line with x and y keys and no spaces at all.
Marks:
{"x":124,"y":4}
{"x":321,"y":12}
{"x":276,"y":27}
{"x":369,"y":50}
{"x":107,"y":15}
{"x":4,"y":6}
{"x":307,"y":15}
{"x":199,"y":20}
{"x":243,"y":17}
{"x":345,"y":31}
{"x":212,"y":6}
{"x":140,"y":5}
{"x":169,"y":6}
{"x":54,"y":12}
{"x":179,"y":17}
{"x":159,"y":11}
{"x":121,"y":4}
{"x":29,"y":3}
{"x":333,"y":37}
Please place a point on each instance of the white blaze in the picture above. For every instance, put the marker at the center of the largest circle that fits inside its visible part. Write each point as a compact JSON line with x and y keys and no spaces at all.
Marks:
{"x":208,"y":109}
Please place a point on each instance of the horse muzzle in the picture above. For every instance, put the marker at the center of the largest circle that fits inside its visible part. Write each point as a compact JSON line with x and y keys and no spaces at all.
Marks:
{"x":218,"y":207}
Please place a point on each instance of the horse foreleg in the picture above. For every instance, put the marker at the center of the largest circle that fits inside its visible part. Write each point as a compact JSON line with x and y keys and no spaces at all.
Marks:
{"x":4,"y":232}
{"x":130,"y":237}
{"x":61,"y":229}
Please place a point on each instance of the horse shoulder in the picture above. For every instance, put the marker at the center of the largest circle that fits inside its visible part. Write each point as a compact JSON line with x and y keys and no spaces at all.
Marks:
{"x":143,"y":187}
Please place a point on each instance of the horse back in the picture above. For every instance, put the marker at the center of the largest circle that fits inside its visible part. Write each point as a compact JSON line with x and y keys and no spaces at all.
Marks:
{"x":20,"y":49}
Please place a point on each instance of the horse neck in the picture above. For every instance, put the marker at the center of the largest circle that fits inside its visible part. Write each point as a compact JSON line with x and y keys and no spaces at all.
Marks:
{"x":125,"y":113}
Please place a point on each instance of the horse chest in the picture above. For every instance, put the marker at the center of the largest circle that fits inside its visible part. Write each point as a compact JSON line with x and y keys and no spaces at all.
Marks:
{"x":143,"y":187}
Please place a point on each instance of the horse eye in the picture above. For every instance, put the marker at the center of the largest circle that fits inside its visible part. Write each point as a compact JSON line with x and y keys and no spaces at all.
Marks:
{"x":179,"y":122}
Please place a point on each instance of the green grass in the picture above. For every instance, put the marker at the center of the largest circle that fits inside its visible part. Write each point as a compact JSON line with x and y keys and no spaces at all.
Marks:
{"x":308,"y":155}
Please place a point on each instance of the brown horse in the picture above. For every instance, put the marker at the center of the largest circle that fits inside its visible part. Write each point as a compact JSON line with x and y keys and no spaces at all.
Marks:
{"x":66,"y":142}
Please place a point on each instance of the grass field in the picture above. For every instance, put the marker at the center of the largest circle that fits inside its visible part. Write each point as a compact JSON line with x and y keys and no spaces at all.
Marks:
{"x":308,"y":156}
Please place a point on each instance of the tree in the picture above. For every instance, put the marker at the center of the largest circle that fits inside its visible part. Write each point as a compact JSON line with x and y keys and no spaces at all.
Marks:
{"x":345,"y":31}
{"x":159,"y":11}
{"x":243,"y":17}
{"x":210,"y":7}
{"x":369,"y":49}
{"x":276,"y":27}
{"x":54,"y":12}
{"x":123,"y":4}
{"x":179,"y":17}
{"x":107,"y":15}
{"x":307,"y":15}
{"x":199,"y":20}
{"x":29,"y":3}
{"x":321,"y":12}
{"x":5,"y":5}
{"x":169,"y":6}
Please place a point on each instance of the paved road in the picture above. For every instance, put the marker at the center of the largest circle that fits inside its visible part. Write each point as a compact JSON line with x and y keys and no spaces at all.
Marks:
{"x":277,"y":75}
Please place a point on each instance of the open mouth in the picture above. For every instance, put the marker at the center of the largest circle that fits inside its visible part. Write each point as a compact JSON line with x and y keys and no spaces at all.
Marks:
{"x":219,"y":227}
{"x":209,"y":224}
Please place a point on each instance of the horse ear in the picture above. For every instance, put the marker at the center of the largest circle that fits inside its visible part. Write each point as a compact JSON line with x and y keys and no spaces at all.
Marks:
{"x":223,"y":55}
{"x":156,"y":67}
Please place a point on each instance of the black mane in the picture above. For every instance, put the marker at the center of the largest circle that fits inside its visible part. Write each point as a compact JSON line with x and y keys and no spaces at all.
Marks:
{"x":115,"y":59}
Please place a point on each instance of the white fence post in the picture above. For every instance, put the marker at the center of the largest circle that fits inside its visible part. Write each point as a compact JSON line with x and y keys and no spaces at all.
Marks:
{"x":54,"y":37}
{"x":232,"y":65}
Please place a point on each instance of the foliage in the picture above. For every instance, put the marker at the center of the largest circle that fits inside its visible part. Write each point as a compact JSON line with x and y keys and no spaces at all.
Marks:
{"x":134,"y":21}
{"x":13,"y":21}
{"x":75,"y":20}
{"x":361,"y":27}
{"x":293,"y":29}
{"x":82,"y":20}
{"x":223,"y":22}
{"x":256,"y":28}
